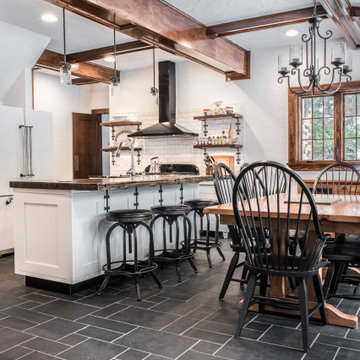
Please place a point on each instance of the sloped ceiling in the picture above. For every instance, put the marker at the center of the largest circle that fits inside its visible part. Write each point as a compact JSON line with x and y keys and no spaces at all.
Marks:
{"x":20,"y":49}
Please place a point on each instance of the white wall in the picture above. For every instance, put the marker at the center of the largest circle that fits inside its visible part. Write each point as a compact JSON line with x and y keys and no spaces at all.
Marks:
{"x":17,"y":42}
{"x":62,"y":101}
{"x":261,"y":100}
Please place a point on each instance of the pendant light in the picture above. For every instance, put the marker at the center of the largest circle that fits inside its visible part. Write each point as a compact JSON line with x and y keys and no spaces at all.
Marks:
{"x":115,"y":81}
{"x":65,"y":67}
{"x":154,"y":91}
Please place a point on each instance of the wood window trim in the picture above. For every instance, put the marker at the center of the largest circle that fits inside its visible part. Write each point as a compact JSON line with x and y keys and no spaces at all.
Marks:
{"x":294,"y":128}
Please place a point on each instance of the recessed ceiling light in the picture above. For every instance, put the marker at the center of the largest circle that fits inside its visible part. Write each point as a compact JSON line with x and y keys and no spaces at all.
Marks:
{"x":50,"y":18}
{"x":109,"y":58}
{"x":291,"y":32}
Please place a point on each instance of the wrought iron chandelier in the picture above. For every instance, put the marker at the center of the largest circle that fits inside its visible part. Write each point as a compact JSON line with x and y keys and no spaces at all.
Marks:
{"x":313,"y":71}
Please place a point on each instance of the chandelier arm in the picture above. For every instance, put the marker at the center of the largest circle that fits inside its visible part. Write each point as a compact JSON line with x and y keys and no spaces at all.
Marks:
{"x":327,"y":89}
{"x":280,"y":81}
{"x":311,"y":85}
{"x":328,"y":33}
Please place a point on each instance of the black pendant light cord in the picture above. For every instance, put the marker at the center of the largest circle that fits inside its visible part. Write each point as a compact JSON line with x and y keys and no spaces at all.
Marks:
{"x":64,"y":34}
{"x":114,"y":53}
{"x":154,"y":66}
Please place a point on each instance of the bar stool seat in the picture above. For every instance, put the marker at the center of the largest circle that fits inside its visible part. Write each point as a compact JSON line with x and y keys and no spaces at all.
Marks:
{"x":173,"y":251}
{"x":201,"y":203}
{"x":172,"y":210}
{"x":205,"y":243}
{"x":129,"y":221}
{"x":129,"y":215}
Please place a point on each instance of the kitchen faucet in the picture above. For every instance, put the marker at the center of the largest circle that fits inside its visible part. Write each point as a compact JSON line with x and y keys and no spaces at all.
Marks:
{"x":131,"y":171}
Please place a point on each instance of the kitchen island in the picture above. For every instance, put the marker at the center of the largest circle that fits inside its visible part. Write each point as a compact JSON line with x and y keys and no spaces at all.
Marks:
{"x":61,"y":226}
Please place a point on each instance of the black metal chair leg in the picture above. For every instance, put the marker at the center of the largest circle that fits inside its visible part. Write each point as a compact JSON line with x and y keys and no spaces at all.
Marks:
{"x":209,"y":257}
{"x":245,"y":306}
{"x":193,"y":265}
{"x":320,"y":297}
{"x":229,"y":274}
{"x":103,"y":284}
{"x":177,"y":266}
{"x":156,"y":280}
{"x":137,"y":287}
{"x":220,"y":253}
{"x":304,"y":313}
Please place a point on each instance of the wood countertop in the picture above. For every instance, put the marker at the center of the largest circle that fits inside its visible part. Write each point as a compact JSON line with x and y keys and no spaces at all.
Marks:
{"x":111,"y":183}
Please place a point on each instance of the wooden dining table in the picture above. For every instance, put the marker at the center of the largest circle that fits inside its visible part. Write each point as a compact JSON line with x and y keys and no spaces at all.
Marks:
{"x":339,"y":218}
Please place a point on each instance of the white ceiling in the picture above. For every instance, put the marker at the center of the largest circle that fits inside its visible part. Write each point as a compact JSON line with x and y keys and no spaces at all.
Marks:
{"x":83,"y":34}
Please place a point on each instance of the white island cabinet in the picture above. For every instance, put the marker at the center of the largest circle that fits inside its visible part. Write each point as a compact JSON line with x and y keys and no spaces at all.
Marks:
{"x":60,"y":234}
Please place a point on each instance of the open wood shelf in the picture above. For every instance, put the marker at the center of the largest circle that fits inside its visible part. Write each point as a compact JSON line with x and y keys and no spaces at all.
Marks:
{"x":218,"y":117}
{"x":121,"y":123}
{"x":204,"y":146}
{"x":114,"y":148}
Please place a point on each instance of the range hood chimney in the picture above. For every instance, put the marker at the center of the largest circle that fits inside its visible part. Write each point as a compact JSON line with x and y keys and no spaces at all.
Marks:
{"x":167,"y":106}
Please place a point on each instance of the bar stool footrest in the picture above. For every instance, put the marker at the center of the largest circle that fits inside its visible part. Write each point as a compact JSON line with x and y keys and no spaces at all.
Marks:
{"x":128,"y":270}
{"x":173,"y":256}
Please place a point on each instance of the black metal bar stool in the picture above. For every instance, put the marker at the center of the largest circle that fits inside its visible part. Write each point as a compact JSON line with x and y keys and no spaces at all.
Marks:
{"x":205,"y":243}
{"x":129,"y":221}
{"x":178,"y":251}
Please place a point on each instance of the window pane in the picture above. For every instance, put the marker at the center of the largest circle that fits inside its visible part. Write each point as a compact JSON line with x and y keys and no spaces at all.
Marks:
{"x":318,"y":150}
{"x":318,"y":107}
{"x":329,"y":106}
{"x":350,"y":103}
{"x":358,"y":125}
{"x":350,"y":127}
{"x":306,"y":108}
{"x":358,"y":149}
{"x":307,"y":150}
{"x":358,"y":104}
{"x":317,"y":129}
{"x":306,"y":129}
{"x":329,"y":150}
{"x":329,"y":128}
{"x":350,"y":149}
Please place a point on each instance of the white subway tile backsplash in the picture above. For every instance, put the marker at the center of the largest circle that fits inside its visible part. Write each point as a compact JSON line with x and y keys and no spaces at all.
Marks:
{"x":173,"y":149}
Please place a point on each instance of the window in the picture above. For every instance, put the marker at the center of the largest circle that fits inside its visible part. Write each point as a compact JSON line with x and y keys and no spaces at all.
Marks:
{"x":352,"y":126}
{"x":324,"y":128}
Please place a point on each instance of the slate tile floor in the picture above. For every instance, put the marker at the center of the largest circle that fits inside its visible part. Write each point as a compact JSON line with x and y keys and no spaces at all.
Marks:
{"x":183,"y":321}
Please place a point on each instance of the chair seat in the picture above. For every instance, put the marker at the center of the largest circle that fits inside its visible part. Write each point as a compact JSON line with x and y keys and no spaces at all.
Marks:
{"x":171,"y":210}
{"x":349,"y":239}
{"x":129,"y":215}
{"x":199,"y":204}
{"x":347,"y":252}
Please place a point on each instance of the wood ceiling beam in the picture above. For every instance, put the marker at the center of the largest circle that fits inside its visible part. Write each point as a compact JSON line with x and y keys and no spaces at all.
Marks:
{"x":264,"y":22}
{"x":96,"y":54}
{"x":156,"y":21}
{"x":83,"y":81}
{"x":355,"y":11}
{"x":51,"y":60}
{"x":339,"y":12}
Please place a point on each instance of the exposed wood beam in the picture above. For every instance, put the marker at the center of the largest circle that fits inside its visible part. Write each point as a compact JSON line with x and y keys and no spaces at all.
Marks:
{"x":339,"y":12}
{"x":83,"y":81}
{"x":355,"y":11}
{"x":264,"y":22}
{"x":157,"y":21}
{"x":51,"y":59}
{"x":95,"y":54}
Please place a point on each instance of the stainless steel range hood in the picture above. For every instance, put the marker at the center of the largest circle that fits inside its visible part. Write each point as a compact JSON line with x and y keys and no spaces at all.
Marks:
{"x":167,"y":106}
